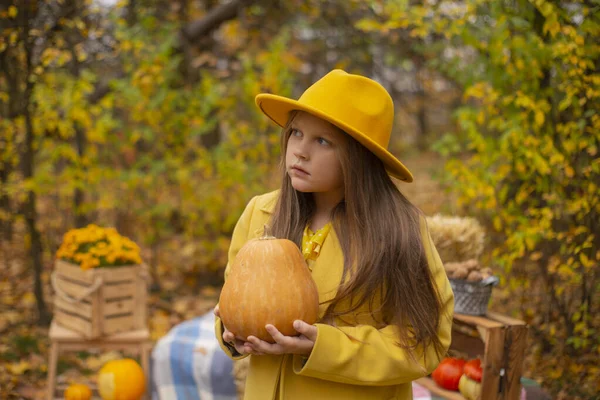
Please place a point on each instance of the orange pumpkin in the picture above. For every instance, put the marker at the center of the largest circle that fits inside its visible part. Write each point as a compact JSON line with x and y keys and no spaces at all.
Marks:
{"x":121,"y":380}
{"x":77,"y":391}
{"x":268,"y":283}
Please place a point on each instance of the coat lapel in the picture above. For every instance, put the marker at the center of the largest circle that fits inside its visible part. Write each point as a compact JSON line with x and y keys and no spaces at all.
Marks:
{"x":327,"y":270}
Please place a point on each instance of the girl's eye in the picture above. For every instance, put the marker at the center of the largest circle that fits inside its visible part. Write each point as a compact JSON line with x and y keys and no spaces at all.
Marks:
{"x":296,"y":132}
{"x":324,"y":142}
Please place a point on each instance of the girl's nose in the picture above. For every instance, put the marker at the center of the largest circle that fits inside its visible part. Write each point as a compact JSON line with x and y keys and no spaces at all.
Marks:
{"x":300,"y":155}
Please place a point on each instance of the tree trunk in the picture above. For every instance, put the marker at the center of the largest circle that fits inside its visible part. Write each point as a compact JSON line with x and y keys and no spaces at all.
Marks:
{"x":28,"y":170}
{"x":423,"y":141}
{"x":81,"y":219}
{"x":6,"y":222}
{"x":422,"y":104}
{"x":154,"y":247}
{"x":131,"y":13}
{"x":6,"y":112}
{"x":30,"y":213}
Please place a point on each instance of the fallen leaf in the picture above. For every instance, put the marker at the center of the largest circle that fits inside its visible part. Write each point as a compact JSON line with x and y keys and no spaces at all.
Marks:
{"x":12,"y":316}
{"x":95,"y":363}
{"x":209,"y":291}
{"x":28,"y":299}
{"x":181,"y":306}
{"x":188,"y":250}
{"x":31,"y":392}
{"x":19,"y":368}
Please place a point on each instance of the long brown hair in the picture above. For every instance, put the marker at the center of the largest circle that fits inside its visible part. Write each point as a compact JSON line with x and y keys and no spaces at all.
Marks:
{"x":379,"y":233}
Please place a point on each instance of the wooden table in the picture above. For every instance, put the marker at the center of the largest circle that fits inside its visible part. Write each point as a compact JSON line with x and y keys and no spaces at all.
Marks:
{"x":63,"y":339}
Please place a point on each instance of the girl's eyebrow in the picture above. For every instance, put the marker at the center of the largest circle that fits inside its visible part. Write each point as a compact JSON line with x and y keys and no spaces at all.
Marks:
{"x":326,"y":133}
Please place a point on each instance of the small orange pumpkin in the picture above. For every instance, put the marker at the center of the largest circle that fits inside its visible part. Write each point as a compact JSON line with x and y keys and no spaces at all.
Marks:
{"x":78,"y":391}
{"x":268,"y":283}
{"x":121,"y":380}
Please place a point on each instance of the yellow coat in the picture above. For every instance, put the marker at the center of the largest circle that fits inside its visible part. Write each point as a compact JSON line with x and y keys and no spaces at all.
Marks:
{"x":338,"y":368}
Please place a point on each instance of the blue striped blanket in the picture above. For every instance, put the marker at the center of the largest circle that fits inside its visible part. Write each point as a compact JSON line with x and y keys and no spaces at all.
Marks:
{"x":188,"y":364}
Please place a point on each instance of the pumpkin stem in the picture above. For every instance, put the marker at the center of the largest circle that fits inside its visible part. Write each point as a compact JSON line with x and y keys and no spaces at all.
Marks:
{"x":266,"y":235}
{"x":267,"y":238}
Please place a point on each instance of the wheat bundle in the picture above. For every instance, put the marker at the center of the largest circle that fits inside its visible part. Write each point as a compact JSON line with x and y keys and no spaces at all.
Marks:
{"x":456,"y":238}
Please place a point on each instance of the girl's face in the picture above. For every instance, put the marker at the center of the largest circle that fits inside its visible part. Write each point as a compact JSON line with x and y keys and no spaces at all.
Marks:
{"x":311,"y":158}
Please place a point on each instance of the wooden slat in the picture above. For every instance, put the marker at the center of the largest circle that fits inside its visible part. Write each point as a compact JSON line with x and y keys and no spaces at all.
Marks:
{"x":83,"y":309}
{"x":115,"y":325}
{"x":61,"y":334}
{"x":125,"y":273}
{"x":108,"y":274}
{"x":493,"y":362}
{"x":140,"y":302}
{"x":121,"y":290}
{"x":72,"y":322}
{"x":73,"y":271}
{"x":465,"y":329}
{"x":475,"y":331}
{"x":72,"y":288}
{"x":96,"y":313}
{"x":430,"y":385}
{"x":473,"y":346}
{"x":118,"y":307}
{"x":477,"y":321}
{"x":517,"y":343}
{"x":505,"y":319}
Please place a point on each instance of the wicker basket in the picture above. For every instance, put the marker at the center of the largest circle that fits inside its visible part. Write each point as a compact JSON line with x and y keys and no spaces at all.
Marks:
{"x":472,"y":298}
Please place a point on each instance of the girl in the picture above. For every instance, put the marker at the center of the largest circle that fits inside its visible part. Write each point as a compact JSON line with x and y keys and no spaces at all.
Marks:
{"x":385,"y":301}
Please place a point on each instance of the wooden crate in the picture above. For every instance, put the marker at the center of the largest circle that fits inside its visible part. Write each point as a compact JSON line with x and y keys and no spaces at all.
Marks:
{"x":100,"y":301}
{"x":500,"y":341}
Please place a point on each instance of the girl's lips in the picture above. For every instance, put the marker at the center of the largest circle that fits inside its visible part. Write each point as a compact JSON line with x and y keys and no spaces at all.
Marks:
{"x":299,"y":170}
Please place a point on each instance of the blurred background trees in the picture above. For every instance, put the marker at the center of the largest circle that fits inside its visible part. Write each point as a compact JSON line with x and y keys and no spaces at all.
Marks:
{"x":140,"y":114}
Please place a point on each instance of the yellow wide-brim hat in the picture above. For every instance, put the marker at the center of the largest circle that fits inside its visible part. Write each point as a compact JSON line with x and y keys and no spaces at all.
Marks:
{"x":358,"y":105}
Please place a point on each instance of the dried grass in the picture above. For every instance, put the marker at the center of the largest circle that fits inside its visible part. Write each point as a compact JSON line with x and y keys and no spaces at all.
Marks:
{"x":456,"y":239}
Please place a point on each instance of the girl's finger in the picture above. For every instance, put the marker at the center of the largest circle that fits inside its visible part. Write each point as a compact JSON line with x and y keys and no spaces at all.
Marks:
{"x":279,"y":337}
{"x":255,"y":343}
{"x":249,"y":349}
{"x":310,"y":331}
{"x":240,"y":348}
{"x":255,"y":351}
{"x":262,"y":346}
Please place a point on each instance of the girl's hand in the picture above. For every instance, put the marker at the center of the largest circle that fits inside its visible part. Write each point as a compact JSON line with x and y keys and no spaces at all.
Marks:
{"x":302,"y":344}
{"x":229,"y":337}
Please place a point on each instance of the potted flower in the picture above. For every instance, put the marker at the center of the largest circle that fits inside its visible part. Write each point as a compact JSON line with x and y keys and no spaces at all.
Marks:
{"x":99,"y":282}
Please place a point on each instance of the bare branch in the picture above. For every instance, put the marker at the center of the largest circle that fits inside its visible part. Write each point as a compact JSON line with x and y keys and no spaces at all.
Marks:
{"x":215,"y":17}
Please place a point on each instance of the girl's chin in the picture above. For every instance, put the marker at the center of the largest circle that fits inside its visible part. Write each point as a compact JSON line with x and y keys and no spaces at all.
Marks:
{"x":302,"y":186}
